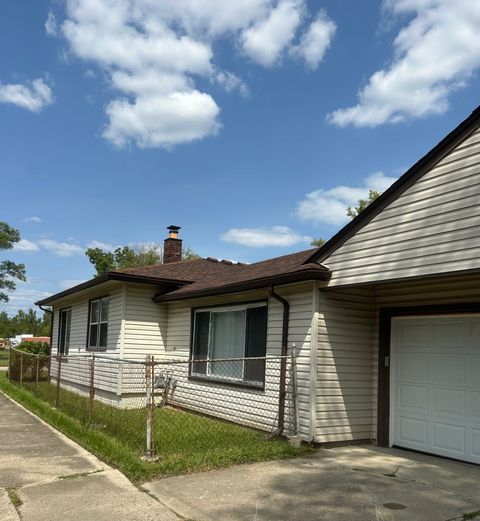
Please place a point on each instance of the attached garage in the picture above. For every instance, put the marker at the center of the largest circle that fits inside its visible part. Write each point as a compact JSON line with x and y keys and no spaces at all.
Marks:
{"x":435,"y":385}
{"x":398,"y":357}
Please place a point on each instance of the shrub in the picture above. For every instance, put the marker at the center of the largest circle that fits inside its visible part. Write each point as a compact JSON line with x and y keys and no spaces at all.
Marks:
{"x":35,"y":348}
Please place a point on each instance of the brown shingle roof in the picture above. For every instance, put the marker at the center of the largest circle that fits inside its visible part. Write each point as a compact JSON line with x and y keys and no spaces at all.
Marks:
{"x":199,"y":277}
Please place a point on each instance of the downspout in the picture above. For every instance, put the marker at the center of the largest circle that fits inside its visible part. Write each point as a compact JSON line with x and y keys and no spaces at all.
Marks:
{"x":283,"y":361}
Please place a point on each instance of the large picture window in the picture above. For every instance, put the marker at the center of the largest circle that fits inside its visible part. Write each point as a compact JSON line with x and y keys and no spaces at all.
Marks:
{"x":224,"y":333}
{"x":98,"y":324}
{"x":64,"y":331}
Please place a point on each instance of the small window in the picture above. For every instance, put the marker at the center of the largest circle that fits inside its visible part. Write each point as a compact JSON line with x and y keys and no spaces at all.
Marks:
{"x":98,"y":324}
{"x":221,"y":334}
{"x":64,"y":331}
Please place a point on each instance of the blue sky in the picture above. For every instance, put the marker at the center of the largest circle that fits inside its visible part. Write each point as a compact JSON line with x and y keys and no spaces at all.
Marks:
{"x":250,"y":124}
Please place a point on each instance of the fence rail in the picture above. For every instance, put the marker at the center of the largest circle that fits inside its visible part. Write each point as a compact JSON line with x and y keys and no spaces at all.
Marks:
{"x":159,"y":405}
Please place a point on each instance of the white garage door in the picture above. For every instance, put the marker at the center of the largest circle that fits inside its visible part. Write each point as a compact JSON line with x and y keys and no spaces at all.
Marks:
{"x":435,"y":385}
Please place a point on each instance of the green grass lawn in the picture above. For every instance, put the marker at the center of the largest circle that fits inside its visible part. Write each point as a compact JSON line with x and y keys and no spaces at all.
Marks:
{"x":3,"y":358}
{"x":186,"y":442}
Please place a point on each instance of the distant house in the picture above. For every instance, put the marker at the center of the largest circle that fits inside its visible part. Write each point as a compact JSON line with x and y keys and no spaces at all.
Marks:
{"x":385,"y":315}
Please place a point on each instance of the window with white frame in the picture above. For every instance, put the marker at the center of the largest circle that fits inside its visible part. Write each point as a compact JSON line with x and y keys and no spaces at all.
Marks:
{"x":230,"y":332}
{"x":98,"y":324}
{"x":64,"y":331}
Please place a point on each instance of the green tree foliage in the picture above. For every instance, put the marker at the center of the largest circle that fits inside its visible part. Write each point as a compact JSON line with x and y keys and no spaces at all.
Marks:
{"x":24,"y":322}
{"x":317,"y":243}
{"x":9,"y":271}
{"x":126,"y":257}
{"x":353,"y":211}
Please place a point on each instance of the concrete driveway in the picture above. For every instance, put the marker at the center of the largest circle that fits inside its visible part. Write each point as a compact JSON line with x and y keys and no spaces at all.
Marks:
{"x":361,"y":483}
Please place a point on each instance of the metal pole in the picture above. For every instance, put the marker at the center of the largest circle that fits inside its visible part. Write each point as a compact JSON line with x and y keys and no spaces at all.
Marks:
{"x":152,"y":406}
{"x":37,"y":365}
{"x":91,"y":394}
{"x":10,"y":363}
{"x":21,"y":369}
{"x":148,"y":383}
{"x":59,"y":368}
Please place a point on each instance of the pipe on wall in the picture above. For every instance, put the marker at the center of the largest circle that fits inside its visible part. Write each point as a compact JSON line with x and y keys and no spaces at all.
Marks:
{"x":283,"y":361}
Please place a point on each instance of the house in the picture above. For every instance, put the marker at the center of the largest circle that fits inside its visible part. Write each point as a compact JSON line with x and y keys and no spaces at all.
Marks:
{"x":385,"y":316}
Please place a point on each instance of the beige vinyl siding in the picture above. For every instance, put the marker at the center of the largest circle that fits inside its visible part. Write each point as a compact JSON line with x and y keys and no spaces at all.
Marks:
{"x":145,"y":327}
{"x":344,"y":365}
{"x":241,"y":402}
{"x":74,"y":373}
{"x":451,"y":290}
{"x":433,"y":227}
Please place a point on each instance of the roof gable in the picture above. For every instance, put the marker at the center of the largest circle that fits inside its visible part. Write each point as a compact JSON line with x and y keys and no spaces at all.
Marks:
{"x":410,"y":177}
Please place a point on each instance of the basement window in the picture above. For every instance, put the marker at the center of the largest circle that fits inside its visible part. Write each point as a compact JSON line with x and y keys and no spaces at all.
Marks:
{"x":98,"y":323}
{"x":224,"y":338}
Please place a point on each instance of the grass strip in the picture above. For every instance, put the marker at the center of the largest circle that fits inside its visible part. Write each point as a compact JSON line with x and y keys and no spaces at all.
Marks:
{"x":186,"y":442}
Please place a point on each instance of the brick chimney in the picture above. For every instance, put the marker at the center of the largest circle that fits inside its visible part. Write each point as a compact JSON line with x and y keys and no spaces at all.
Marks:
{"x":172,"y":247}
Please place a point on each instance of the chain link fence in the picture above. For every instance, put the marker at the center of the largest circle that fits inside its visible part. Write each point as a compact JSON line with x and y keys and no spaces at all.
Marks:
{"x":170,"y":409}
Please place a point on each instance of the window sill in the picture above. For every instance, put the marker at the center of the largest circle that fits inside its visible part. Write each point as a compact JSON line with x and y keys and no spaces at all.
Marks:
{"x":226,"y":381}
{"x":96,"y":349}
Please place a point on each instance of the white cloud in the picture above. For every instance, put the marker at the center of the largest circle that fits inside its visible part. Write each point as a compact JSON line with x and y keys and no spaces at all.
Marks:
{"x":25,"y":246}
{"x":102,"y":245}
{"x":330,"y":206}
{"x":63,"y":249}
{"x":435,"y":54}
{"x":162,"y":120}
{"x":32,"y":219}
{"x":153,"y":54}
{"x":265,"y":41}
{"x":24,"y":298}
{"x":259,"y":237}
{"x":34,"y":96}
{"x":316,"y":40}
{"x":69,"y":283}
{"x":51,"y":27}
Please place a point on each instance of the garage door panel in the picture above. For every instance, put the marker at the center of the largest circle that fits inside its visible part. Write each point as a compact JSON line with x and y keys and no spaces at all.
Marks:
{"x":448,"y":438}
{"x":413,"y":335}
{"x":473,"y":372}
{"x":475,"y":437}
{"x":474,"y":405}
{"x":413,"y":397}
{"x":435,"y":385}
{"x":475,"y":334}
{"x":452,"y":402}
{"x":413,"y":367}
{"x":450,"y":335}
{"x":447,"y":369}
{"x":413,"y":431}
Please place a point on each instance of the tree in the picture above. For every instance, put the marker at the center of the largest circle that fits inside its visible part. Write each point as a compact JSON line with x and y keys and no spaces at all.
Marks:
{"x":352,"y":212}
{"x":9,"y":271}
{"x":24,"y":322}
{"x":127,"y":257}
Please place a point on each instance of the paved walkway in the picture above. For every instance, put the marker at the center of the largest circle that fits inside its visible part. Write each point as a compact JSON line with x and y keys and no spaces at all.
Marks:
{"x":56,"y":480}
{"x":362,"y":483}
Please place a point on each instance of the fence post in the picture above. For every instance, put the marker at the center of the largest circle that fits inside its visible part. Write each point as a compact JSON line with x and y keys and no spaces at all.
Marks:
{"x":37,"y":364}
{"x":59,"y":371}
{"x":21,"y":369}
{"x":10,"y":351}
{"x":91,"y":393}
{"x":150,"y":406}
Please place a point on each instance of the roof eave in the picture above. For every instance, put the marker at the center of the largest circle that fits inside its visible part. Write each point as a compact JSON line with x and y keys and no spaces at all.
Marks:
{"x":264,"y":282}
{"x":112,"y":275}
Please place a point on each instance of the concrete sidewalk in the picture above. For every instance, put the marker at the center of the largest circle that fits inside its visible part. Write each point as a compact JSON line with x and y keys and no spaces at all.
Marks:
{"x":362,"y":483}
{"x":55,"y":479}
